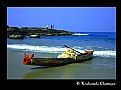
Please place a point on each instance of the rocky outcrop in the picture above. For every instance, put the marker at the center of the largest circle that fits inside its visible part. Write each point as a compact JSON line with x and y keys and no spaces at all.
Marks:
{"x":16,"y":36}
{"x":34,"y":36}
{"x":15,"y":31}
{"x":28,"y":31}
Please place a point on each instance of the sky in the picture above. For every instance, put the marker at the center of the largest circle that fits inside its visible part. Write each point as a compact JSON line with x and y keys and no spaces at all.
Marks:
{"x":75,"y":19}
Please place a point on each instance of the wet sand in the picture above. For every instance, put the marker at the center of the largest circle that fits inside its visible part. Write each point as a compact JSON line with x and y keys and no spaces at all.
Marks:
{"x":86,"y":70}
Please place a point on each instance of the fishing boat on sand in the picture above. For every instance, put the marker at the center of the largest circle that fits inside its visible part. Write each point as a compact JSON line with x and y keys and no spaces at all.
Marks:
{"x":66,"y":58}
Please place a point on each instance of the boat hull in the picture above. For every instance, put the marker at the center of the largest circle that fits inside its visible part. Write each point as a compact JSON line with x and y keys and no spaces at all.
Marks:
{"x":29,"y":60}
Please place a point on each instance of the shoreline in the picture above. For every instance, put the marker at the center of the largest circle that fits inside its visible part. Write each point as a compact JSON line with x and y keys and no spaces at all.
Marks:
{"x":17,"y":70}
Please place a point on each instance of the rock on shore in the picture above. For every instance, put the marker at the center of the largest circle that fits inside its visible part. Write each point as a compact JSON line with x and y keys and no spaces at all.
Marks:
{"x":27,"y":31}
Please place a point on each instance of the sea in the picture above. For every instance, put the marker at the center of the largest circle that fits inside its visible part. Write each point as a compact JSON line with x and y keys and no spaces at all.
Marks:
{"x":102,"y":66}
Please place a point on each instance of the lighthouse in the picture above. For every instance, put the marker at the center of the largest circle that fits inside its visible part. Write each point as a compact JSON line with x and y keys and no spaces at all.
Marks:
{"x":52,"y":26}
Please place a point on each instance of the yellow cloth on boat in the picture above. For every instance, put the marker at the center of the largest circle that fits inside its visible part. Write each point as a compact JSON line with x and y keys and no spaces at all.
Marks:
{"x":69,"y":53}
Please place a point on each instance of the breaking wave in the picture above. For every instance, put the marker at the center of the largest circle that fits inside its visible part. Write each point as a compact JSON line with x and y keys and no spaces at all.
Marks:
{"x":81,"y":34}
{"x":58,"y":49}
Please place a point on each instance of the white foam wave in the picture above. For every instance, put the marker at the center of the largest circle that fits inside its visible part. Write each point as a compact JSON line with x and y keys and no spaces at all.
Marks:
{"x":36,"y":48}
{"x":57,"y":49}
{"x":80,"y":34}
{"x":104,"y":53}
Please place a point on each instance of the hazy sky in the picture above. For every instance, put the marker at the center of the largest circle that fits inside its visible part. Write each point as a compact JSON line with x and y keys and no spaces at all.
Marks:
{"x":76,"y":19}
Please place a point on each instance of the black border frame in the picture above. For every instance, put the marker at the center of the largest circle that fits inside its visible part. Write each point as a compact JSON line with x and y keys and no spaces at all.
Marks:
{"x":45,"y":3}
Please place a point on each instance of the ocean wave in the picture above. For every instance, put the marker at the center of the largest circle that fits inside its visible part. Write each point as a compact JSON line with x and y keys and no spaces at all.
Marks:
{"x":81,"y":34}
{"x":36,"y":48}
{"x":58,"y":49}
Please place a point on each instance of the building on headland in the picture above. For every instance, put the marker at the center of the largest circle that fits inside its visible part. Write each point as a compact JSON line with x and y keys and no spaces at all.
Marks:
{"x":45,"y":31}
{"x":52,"y":26}
{"x":47,"y":26}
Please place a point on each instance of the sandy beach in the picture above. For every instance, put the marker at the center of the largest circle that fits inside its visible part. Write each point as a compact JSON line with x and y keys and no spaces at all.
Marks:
{"x":86,"y":70}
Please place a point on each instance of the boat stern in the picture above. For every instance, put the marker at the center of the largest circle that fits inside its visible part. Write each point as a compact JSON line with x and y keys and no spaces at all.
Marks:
{"x":89,"y":51}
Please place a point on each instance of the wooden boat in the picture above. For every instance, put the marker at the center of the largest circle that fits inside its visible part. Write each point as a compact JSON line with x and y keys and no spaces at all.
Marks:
{"x":29,"y":60}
